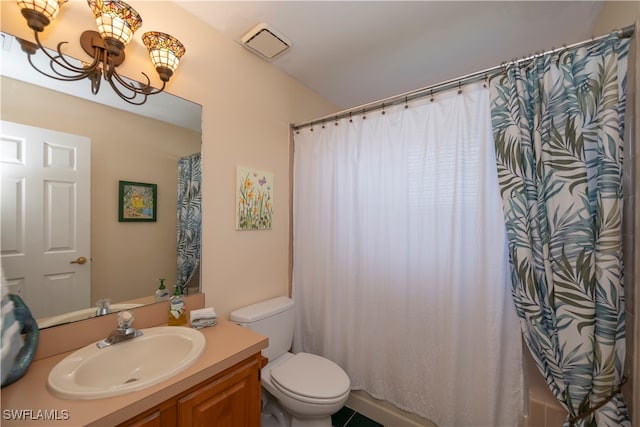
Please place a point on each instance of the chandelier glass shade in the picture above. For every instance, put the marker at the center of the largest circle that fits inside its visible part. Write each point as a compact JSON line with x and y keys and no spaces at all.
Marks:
{"x":117,"y":23}
{"x":39,"y":13}
{"x":115,"y":19}
{"x":165,"y":52}
{"x":48,"y":8}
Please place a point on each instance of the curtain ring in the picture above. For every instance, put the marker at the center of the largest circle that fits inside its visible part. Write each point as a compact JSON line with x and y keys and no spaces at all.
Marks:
{"x":323,"y":124}
{"x":406,"y":102}
{"x":486,"y":78}
{"x":383,"y":112}
{"x":431,"y":99}
{"x":336,"y":118}
{"x":459,"y":87}
{"x":350,"y":117}
{"x":364,"y":114}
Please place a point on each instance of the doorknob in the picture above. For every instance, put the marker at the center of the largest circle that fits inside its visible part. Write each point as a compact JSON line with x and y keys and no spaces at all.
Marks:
{"x":80,"y":260}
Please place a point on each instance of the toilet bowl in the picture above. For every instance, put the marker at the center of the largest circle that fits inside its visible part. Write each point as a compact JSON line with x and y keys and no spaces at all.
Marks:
{"x":308,"y":388}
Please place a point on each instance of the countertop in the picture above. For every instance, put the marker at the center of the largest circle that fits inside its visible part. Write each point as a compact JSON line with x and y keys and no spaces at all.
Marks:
{"x":30,"y":399}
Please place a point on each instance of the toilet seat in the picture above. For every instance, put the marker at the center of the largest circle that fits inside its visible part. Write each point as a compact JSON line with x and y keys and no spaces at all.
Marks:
{"x":310,"y":378}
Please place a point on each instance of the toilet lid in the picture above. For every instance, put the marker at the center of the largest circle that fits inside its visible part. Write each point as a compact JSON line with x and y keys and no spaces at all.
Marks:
{"x":311,"y":376}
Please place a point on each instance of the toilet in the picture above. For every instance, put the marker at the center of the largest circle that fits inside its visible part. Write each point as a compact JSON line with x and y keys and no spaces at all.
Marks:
{"x":302,"y":389}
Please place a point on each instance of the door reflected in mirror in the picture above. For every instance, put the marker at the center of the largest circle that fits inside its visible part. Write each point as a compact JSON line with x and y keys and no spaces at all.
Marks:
{"x":125,"y":259}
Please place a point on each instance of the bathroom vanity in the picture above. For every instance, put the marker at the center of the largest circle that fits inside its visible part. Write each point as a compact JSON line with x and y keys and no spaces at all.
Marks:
{"x":222,"y":387}
{"x":231,"y":398}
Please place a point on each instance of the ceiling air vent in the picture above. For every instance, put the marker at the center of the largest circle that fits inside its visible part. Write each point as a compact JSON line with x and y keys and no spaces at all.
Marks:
{"x":266,"y":42}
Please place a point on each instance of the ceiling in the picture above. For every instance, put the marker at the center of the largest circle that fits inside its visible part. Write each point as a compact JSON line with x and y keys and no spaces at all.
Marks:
{"x":354,"y":52}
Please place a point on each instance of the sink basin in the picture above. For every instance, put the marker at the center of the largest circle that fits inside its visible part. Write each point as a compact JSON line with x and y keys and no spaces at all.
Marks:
{"x":93,"y":373}
{"x":86,"y":313}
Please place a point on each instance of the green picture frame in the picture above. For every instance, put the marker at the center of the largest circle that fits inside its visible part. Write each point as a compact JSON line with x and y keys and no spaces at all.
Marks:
{"x":137,"y":202}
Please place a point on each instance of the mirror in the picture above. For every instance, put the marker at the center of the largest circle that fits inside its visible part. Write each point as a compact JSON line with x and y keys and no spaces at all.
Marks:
{"x":128,"y":143}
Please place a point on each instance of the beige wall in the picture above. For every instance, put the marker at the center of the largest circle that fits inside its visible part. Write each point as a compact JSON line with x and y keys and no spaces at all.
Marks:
{"x":126,"y":258}
{"x":615,"y":15}
{"x":247,"y":108}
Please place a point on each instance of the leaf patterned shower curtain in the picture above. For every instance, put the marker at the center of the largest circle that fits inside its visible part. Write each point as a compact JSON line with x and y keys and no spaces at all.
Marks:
{"x":189,"y":217}
{"x":558,"y":128}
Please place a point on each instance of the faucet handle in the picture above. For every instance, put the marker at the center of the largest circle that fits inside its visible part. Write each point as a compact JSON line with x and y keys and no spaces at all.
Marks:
{"x":125,"y":319}
{"x":103,"y":307}
{"x":103,"y":303}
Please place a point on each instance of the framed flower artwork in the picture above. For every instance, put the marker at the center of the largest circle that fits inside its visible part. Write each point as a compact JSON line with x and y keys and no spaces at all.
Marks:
{"x":137,"y":202}
{"x":254,"y":199}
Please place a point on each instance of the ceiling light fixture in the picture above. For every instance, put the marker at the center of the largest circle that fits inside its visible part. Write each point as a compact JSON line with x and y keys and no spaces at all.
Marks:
{"x":117,"y":21}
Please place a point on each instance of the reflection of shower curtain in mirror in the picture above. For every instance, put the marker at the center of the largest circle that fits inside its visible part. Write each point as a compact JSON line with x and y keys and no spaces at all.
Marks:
{"x":189,"y":217}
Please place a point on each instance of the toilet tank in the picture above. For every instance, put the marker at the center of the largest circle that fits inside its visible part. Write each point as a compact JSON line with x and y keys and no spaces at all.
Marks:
{"x":273,"y":318}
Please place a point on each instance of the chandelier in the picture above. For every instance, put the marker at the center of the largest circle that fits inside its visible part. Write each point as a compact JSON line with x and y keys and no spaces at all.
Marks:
{"x":117,"y":21}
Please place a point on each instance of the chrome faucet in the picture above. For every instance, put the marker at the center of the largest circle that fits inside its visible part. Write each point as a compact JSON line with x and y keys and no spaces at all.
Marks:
{"x":103,"y":307}
{"x":124,"y":332}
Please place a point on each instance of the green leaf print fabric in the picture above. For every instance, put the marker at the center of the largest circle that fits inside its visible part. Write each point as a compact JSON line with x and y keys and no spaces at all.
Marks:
{"x":189,"y":217}
{"x":558,"y":124}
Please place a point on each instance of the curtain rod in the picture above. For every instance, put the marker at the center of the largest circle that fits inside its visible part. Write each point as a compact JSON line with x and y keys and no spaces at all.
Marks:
{"x":477,"y":76}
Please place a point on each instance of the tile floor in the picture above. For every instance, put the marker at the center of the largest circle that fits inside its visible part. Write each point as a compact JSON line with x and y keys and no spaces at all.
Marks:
{"x":347,"y":417}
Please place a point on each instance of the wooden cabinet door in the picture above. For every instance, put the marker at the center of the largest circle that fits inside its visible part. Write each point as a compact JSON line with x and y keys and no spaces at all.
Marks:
{"x":163,"y":415}
{"x":231,"y":400}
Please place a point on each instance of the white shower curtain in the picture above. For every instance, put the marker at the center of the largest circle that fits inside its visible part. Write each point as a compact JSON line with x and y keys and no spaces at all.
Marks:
{"x":400,"y":271}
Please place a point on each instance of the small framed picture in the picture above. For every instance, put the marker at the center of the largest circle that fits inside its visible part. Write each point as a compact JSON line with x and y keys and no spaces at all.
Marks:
{"x":137,"y":202}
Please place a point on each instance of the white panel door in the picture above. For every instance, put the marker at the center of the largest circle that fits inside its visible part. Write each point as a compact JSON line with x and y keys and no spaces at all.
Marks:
{"x":45,"y":217}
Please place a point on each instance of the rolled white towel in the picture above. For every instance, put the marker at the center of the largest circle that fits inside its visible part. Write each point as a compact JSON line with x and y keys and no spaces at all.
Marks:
{"x":203,"y":317}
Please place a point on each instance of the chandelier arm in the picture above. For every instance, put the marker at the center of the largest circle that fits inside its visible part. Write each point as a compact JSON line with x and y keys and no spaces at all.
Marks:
{"x":143,"y":89}
{"x":91,"y":71}
{"x":95,"y":78}
{"x":129,"y":87}
{"x":149,"y":90}
{"x":109,"y":67}
{"x":61,"y":61}
{"x":132,"y":87}
{"x":58,"y":76}
{"x":61,"y":70}
{"x":133,"y":99}
{"x":131,"y":94}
